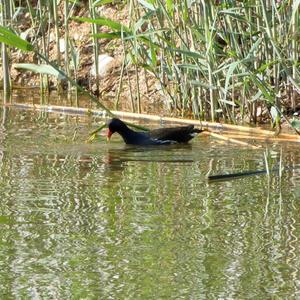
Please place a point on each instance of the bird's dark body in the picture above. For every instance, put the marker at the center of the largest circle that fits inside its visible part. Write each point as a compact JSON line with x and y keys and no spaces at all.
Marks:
{"x":161,"y":136}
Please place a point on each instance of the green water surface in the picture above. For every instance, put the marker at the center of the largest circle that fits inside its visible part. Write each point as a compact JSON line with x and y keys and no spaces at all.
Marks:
{"x":106,"y":221}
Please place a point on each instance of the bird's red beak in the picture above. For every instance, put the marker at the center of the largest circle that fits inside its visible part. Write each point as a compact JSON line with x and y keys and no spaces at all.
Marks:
{"x":109,"y":134}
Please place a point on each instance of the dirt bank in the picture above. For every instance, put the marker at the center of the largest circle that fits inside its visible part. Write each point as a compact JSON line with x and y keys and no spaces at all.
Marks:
{"x":133,"y":82}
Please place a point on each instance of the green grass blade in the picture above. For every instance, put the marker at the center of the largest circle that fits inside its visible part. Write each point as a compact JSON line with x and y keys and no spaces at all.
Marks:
{"x":147,"y":5}
{"x":188,"y":53}
{"x":104,"y":22}
{"x":102,"y":2}
{"x":41,"y":69}
{"x":11,"y":39}
{"x":108,"y":35}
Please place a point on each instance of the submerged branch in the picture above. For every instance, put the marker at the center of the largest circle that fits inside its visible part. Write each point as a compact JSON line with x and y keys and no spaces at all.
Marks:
{"x":222,"y":177}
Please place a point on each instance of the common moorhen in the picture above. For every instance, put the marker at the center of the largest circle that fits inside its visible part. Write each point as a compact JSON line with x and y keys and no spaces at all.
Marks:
{"x":161,"y":136}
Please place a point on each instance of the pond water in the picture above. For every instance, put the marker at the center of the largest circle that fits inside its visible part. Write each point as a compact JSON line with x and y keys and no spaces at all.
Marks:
{"x":106,"y":221}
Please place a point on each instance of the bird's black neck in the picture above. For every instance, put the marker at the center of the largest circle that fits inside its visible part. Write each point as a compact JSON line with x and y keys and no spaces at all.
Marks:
{"x":127,"y":134}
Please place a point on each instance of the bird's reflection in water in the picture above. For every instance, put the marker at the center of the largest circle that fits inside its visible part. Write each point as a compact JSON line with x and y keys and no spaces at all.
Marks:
{"x":116,"y":158}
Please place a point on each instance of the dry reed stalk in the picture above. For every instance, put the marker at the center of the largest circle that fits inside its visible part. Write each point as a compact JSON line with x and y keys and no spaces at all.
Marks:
{"x":261,"y":138}
{"x":234,"y":141}
{"x":163,"y":120}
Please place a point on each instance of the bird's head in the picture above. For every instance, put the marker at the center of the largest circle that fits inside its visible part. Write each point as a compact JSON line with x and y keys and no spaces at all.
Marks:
{"x":115,"y":125}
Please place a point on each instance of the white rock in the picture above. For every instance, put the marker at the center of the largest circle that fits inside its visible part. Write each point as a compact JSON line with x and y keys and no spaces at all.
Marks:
{"x":52,"y":37}
{"x":62,"y":45}
{"x":259,"y":111}
{"x":105,"y":64}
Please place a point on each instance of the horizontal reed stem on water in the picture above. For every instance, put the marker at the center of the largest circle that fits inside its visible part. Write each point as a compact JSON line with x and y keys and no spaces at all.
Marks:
{"x":262,"y":134}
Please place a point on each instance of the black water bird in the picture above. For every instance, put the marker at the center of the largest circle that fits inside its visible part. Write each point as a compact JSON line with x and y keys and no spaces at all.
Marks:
{"x":161,"y":136}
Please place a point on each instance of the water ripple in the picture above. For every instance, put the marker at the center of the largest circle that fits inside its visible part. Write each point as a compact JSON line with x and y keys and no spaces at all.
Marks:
{"x":108,"y":221}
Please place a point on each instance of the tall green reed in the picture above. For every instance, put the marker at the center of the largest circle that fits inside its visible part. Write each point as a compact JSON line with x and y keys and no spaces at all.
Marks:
{"x":5,"y":16}
{"x":212,"y":59}
{"x":94,"y":29}
{"x":228,"y":59}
